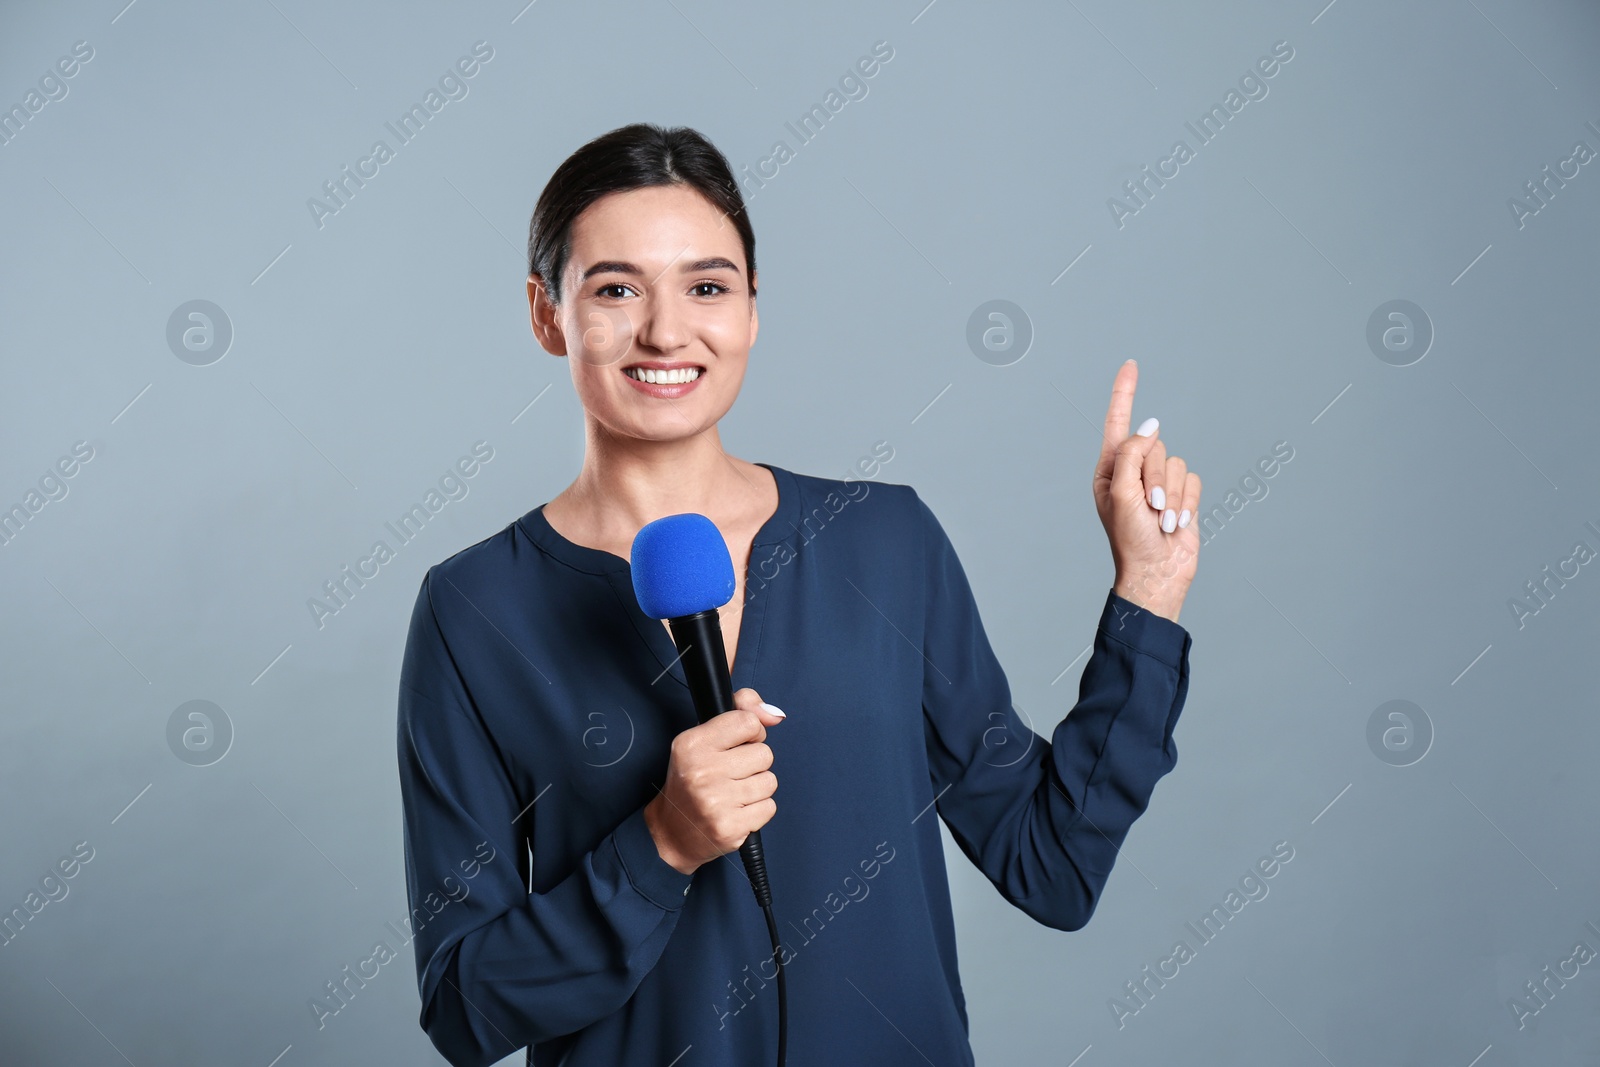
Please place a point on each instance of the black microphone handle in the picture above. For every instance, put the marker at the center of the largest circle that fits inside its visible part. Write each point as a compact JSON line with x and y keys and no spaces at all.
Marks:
{"x":705,"y":667}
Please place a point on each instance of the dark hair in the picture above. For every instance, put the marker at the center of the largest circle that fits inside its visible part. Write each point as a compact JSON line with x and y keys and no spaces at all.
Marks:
{"x":629,"y":157}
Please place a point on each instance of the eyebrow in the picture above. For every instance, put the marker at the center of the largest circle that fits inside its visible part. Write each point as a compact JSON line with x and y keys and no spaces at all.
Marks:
{"x":616,"y":266}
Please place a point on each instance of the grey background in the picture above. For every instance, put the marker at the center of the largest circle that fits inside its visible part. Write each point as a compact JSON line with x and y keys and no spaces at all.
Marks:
{"x":369,"y":354}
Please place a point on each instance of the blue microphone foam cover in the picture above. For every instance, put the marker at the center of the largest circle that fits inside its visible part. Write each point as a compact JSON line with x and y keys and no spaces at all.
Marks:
{"x":681,"y":566}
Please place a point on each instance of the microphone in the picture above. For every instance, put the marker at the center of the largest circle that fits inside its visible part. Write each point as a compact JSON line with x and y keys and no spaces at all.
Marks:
{"x":682,"y":573}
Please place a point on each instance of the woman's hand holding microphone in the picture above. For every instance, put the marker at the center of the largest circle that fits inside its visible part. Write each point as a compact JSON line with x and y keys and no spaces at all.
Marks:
{"x":719,"y":785}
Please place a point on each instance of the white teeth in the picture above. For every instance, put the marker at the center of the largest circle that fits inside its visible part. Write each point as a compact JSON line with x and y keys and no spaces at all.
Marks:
{"x":663,"y":377}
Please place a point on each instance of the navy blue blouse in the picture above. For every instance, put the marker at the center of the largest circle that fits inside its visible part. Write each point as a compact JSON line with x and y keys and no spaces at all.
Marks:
{"x":537,"y":705}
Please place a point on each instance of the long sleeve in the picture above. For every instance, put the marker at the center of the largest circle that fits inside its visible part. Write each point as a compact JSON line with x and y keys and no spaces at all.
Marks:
{"x":498,"y":967}
{"x":1044,"y":819}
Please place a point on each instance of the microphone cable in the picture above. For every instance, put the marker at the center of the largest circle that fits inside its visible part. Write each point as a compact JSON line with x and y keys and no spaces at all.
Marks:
{"x":783,"y":997}
{"x":755,"y":865}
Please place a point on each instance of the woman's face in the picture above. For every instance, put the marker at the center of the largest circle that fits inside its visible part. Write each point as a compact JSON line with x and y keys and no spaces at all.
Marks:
{"x":656,"y":278}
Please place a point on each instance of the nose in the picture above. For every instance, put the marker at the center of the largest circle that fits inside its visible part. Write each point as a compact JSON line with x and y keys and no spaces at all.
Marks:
{"x":664,"y":327}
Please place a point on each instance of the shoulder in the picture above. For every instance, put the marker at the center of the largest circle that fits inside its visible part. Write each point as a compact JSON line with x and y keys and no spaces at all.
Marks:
{"x":889,"y":546}
{"x":476,"y":569}
{"x":878,"y":507}
{"x":885,"y":522}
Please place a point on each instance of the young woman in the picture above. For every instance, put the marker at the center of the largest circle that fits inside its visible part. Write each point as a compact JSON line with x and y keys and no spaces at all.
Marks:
{"x":571,"y":832}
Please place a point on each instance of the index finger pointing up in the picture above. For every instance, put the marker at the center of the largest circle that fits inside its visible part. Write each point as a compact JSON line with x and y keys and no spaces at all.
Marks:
{"x":1119,"y":414}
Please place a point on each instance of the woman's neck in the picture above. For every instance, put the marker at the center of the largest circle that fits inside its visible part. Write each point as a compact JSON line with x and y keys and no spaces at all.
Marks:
{"x":627,"y":483}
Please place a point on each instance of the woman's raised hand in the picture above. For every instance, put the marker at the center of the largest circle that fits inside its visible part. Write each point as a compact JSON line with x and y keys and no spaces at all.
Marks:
{"x":1147,"y":502}
{"x":719,"y":786}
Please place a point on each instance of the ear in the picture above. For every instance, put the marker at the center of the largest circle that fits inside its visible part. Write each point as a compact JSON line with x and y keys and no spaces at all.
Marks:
{"x":542,"y":317}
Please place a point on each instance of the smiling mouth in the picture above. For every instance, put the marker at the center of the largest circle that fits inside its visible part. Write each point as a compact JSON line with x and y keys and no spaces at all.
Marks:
{"x":675,"y":376}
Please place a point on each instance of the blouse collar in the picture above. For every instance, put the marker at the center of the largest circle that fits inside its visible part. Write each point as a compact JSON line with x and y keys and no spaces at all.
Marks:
{"x":777,"y":528}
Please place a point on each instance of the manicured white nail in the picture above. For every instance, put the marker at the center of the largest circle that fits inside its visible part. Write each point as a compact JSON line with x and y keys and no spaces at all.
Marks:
{"x":774,"y":709}
{"x":1169,"y":520}
{"x":1183,"y":517}
{"x":1158,"y":497}
{"x":1147,"y":427}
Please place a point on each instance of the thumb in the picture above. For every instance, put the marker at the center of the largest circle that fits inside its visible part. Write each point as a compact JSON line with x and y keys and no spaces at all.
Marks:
{"x":770,"y":714}
{"x":1127,"y":477}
